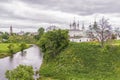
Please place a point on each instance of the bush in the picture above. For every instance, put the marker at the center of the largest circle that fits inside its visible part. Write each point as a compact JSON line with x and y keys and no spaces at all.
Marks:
{"x":11,"y":48}
{"x":22,"y":72}
{"x":53,"y":42}
{"x":23,"y":46}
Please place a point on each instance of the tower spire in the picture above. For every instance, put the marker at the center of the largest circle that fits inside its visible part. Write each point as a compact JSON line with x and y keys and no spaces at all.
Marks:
{"x":70,"y":26}
{"x":78,"y":24}
{"x":83,"y":27}
{"x":11,"y":30}
{"x":74,"y":24}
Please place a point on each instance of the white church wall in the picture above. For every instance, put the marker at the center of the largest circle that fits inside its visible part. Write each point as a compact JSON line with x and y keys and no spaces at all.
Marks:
{"x":80,"y":39}
{"x":118,"y":38}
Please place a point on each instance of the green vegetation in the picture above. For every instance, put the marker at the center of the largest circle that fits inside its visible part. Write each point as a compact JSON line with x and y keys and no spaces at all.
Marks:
{"x":17,"y":42}
{"x":53,"y":42}
{"x":40,"y":33}
{"x":23,"y":46}
{"x":7,"y":48}
{"x":83,"y":61}
{"x":26,"y":38}
{"x":22,"y":72}
{"x":11,"y":48}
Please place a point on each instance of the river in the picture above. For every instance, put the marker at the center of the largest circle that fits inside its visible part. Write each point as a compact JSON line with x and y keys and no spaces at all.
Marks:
{"x":31,"y":56}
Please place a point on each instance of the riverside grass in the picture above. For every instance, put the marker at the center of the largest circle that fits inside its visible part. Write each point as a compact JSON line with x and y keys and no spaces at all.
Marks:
{"x":4,"y":50}
{"x":83,"y":61}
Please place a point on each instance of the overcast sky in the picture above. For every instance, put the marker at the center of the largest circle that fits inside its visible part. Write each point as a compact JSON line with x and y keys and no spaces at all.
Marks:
{"x":33,"y":14}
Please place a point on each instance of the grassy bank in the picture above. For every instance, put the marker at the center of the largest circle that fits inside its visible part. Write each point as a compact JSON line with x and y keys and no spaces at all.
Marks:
{"x":83,"y":61}
{"x":4,"y":50}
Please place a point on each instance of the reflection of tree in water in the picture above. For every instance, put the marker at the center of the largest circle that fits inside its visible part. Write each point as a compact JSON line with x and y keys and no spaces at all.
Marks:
{"x":11,"y":58}
{"x":40,"y":54}
{"x":23,"y":53}
{"x":36,"y":73}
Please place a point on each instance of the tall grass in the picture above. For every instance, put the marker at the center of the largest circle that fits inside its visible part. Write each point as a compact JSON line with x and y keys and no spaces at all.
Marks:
{"x":84,"y":61}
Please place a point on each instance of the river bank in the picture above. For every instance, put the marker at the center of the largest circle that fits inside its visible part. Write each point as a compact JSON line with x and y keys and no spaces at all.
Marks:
{"x":83,"y":61}
{"x":4,"y":50}
{"x":31,"y":57}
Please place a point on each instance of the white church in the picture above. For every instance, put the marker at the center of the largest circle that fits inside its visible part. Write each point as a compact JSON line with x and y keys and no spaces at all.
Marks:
{"x":77,"y":33}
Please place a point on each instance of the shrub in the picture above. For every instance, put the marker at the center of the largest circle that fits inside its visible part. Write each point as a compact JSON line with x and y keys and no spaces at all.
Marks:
{"x":22,"y":72}
{"x":52,"y":42}
{"x":11,"y":48}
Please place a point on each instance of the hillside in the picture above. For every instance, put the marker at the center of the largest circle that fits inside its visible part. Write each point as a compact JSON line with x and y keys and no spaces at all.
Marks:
{"x":84,"y":61}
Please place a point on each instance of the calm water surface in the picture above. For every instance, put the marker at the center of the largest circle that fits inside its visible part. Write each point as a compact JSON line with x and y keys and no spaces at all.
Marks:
{"x":31,"y":56}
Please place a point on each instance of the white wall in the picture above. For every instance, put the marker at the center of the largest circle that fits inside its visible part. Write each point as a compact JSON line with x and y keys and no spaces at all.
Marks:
{"x":80,"y":40}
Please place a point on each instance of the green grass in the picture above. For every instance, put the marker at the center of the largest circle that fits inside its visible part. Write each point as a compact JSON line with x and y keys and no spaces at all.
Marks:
{"x":4,"y":50}
{"x":84,"y":61}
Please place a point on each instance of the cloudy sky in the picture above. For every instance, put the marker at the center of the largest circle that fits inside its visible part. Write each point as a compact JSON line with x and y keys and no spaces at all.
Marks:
{"x":32,"y":14}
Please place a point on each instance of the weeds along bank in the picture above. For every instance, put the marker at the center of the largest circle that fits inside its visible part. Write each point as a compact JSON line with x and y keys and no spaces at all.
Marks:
{"x":7,"y":49}
{"x":83,"y":61}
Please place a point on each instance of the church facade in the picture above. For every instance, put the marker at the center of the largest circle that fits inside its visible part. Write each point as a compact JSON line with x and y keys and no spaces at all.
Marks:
{"x":77,"y":33}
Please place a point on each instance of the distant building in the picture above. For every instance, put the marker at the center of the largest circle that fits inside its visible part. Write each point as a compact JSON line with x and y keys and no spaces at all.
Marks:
{"x":53,"y":27}
{"x":27,"y":33}
{"x":76,"y":34}
{"x":21,"y":33}
{"x":11,"y":30}
{"x":118,"y":36}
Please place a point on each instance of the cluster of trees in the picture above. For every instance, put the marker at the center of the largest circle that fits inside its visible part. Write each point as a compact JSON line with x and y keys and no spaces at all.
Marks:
{"x":26,"y":37}
{"x":52,"y":42}
{"x":12,"y":47}
{"x":15,"y":38}
{"x":21,"y":38}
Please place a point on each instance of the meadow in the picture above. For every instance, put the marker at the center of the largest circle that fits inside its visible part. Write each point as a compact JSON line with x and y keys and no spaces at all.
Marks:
{"x":84,"y":61}
{"x":4,"y":50}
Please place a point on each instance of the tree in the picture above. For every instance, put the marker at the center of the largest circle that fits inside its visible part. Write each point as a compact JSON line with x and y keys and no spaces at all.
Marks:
{"x":52,"y":42}
{"x":23,"y":46}
{"x":22,"y":72}
{"x":40,"y":33}
{"x":102,"y":31}
{"x":11,"y":48}
{"x":5,"y":36}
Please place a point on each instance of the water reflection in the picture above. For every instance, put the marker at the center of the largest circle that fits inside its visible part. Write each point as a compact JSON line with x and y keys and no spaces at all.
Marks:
{"x":31,"y":56}
{"x":23,"y":53}
{"x":11,"y":58}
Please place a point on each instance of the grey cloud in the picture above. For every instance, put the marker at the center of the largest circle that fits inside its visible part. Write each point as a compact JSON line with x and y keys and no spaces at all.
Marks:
{"x":81,"y":7}
{"x":39,"y":18}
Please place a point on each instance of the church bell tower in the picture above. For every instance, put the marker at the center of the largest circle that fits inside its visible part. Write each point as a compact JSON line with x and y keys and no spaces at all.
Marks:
{"x":11,"y":30}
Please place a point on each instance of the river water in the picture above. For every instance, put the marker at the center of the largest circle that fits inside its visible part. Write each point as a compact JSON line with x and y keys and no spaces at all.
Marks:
{"x":31,"y":56}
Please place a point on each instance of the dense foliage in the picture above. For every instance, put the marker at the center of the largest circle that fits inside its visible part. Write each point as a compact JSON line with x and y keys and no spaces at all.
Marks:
{"x":23,"y":46}
{"x":40,"y":33}
{"x":84,"y":61}
{"x":52,"y":42}
{"x":22,"y":72}
{"x":26,"y":38}
{"x":11,"y":48}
